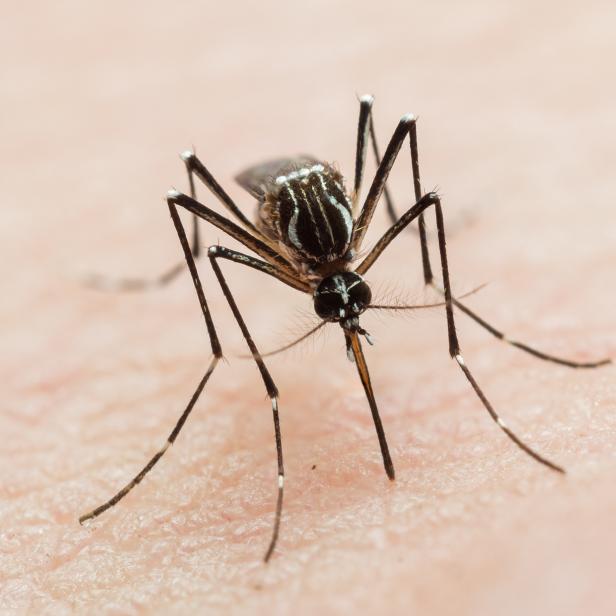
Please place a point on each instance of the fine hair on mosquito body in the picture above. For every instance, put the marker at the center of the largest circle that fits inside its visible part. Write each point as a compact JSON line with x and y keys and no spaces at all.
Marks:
{"x":308,"y":234}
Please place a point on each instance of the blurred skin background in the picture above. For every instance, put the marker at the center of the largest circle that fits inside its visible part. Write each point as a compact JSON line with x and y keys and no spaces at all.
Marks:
{"x":518,"y":132}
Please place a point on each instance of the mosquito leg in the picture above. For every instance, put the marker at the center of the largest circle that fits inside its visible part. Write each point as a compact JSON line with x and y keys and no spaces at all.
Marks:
{"x":142,"y":284}
{"x":365,"y":133}
{"x":380,"y":178}
{"x":194,"y":165}
{"x":363,"y":129}
{"x":272,"y":391}
{"x":216,"y":352}
{"x":159,"y":454}
{"x":389,"y":204}
{"x":407,"y":124}
{"x":427,"y":268}
{"x":429,"y":277}
{"x":262,"y":266}
{"x":230,"y":228}
{"x":195,"y":243}
{"x":432,"y":199}
{"x":423,"y":238}
{"x":455,"y":352}
{"x":521,"y":345}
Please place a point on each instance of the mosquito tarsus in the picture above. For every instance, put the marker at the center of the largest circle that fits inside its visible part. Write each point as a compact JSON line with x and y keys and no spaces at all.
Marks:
{"x":308,"y":233}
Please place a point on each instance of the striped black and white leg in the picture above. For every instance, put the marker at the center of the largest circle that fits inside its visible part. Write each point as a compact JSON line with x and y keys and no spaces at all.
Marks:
{"x":216,"y":355}
{"x":431,"y":199}
{"x":214,"y":253}
{"x":427,"y":267}
{"x":429,"y":277}
{"x":159,"y":454}
{"x":521,"y":345}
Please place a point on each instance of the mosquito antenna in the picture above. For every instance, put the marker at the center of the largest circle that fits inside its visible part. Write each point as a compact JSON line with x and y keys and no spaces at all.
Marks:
{"x":422,"y":306}
{"x":290,"y":345}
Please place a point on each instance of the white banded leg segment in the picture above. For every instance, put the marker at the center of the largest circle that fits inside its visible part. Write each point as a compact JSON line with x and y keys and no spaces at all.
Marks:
{"x":186,"y":155}
{"x":520,"y":345}
{"x":278,"y":516}
{"x":268,"y":382}
{"x":501,"y":424}
{"x":175,"y":198}
{"x":159,"y":454}
{"x":128,"y":487}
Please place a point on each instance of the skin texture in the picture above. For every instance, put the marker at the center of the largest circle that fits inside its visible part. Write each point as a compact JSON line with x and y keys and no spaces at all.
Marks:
{"x":517,"y":130}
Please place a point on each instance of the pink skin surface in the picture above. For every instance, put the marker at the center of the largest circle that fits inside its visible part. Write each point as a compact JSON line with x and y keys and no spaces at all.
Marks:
{"x":517,"y":129}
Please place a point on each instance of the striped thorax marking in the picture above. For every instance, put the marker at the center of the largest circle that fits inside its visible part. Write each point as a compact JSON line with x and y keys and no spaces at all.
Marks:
{"x":312,"y":213}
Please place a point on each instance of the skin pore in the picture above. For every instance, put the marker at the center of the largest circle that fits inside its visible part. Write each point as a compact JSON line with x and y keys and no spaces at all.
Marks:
{"x":523,"y":155}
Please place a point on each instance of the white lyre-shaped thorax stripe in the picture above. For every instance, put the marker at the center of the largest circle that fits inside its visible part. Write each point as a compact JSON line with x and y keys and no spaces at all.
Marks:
{"x":313,"y":213}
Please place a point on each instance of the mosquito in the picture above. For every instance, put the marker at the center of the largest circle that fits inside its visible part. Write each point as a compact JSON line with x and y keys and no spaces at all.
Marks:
{"x":308,"y":234}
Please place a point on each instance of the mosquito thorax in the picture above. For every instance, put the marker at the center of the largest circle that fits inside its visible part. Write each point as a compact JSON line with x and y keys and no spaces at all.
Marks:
{"x":306,"y":208}
{"x":341,"y":296}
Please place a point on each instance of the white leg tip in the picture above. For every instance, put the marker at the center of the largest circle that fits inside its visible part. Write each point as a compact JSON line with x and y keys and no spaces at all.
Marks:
{"x":212,"y":250}
{"x":366,"y":98}
{"x":187,"y":155}
{"x":408,"y":118}
{"x":172,"y":193}
{"x":460,"y":360}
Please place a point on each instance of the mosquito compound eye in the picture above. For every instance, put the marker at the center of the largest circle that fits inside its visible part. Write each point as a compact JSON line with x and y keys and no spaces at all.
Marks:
{"x":341,"y":296}
{"x":360,"y":296}
{"x":329,"y":304}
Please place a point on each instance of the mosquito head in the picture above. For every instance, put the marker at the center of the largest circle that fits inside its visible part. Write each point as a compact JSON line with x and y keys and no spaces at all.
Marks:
{"x":341,"y":297}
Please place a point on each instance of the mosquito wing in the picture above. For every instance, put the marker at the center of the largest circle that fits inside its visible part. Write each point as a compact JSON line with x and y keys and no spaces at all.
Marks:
{"x":256,"y":180}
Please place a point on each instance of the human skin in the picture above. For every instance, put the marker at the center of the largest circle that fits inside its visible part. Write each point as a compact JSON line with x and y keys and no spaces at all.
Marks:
{"x":517,"y":130}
